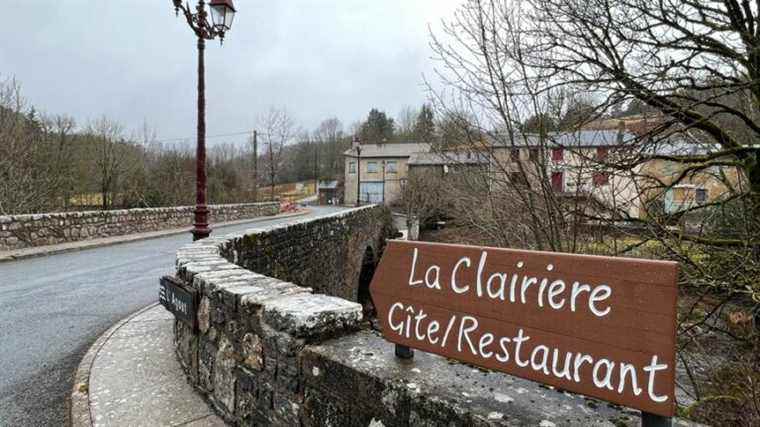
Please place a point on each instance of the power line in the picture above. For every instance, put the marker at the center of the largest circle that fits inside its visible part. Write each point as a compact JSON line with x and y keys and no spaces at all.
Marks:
{"x":224,"y":135}
{"x":221,"y":135}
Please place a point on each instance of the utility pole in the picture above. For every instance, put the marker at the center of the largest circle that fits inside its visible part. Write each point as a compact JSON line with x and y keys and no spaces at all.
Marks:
{"x":316,"y":169}
{"x":255,"y":166}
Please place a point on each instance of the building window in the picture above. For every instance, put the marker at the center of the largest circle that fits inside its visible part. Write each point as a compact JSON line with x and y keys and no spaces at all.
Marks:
{"x":391,"y":166}
{"x":514,"y":154}
{"x":601,"y":178}
{"x":602,"y":152}
{"x":701,"y":195}
{"x":372,"y":167}
{"x":558,"y":154}
{"x":352,"y":167}
{"x":558,"y":182}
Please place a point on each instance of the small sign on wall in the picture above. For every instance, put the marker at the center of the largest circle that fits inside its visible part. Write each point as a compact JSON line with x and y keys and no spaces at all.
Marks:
{"x":178,"y":300}
{"x":599,"y":326}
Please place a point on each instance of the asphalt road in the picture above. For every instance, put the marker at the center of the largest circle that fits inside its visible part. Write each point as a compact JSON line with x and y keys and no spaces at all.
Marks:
{"x":53,"y":308}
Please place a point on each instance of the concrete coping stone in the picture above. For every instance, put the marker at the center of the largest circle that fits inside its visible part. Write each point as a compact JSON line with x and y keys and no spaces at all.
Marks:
{"x":435,"y":382}
{"x":304,"y":315}
{"x":217,"y":280}
{"x":256,"y":298}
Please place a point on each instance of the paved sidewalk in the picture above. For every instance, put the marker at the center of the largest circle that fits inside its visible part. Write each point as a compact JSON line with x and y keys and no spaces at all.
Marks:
{"x":131,"y":377}
{"x":39,"y":251}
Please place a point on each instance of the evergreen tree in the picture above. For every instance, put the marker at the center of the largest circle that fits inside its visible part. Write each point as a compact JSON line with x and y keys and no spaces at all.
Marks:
{"x":636,"y":107}
{"x":378,"y":128}
{"x":541,"y":123}
{"x":579,"y":112}
{"x":456,"y":128}
{"x":424,"y":128}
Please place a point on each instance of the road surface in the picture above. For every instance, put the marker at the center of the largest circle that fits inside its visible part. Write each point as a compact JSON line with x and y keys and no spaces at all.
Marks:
{"x":53,"y":308}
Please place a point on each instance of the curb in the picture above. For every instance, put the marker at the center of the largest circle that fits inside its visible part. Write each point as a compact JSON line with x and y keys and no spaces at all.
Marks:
{"x":80,"y":398}
{"x":81,"y":245}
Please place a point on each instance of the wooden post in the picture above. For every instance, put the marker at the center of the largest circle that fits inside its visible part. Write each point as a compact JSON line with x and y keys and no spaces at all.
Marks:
{"x":652,"y":420}
{"x":404,"y":352}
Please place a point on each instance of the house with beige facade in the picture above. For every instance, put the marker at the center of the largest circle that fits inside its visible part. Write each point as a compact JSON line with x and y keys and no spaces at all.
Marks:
{"x":377,"y":172}
{"x":572,"y":165}
{"x":579,"y":165}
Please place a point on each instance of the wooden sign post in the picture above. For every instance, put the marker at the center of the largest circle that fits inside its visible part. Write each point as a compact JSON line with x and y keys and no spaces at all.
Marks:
{"x":600,"y":326}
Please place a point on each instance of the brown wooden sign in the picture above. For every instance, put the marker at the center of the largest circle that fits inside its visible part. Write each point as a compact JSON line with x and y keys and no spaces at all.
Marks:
{"x":600,"y":326}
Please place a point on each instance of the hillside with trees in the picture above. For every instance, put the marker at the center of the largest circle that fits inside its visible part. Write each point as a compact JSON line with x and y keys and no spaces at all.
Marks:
{"x":52,"y":163}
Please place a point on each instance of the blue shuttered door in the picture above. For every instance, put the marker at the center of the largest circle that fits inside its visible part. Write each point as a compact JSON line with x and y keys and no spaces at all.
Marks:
{"x":372,"y":192}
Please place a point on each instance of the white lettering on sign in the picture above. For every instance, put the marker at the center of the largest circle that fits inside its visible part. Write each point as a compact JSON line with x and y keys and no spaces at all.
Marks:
{"x":606,"y":374}
{"x":179,"y":304}
{"x":514,"y":288}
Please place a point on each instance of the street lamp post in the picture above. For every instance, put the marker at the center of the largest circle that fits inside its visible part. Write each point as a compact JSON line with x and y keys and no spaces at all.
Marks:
{"x":222,"y":15}
{"x":358,"y":146}
{"x":384,"y":181}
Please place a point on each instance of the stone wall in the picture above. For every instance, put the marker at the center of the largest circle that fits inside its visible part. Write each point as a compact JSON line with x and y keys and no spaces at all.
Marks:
{"x":267,"y":351}
{"x":24,"y":231}
{"x":325,"y":254}
{"x":252,"y":328}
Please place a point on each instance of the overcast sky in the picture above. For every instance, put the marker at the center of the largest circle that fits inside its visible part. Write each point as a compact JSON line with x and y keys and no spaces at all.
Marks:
{"x":132,"y":60}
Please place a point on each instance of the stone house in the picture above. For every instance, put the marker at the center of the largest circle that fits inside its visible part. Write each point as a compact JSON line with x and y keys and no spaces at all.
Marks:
{"x":573,"y":165}
{"x":694,"y":189}
{"x":378,"y":171}
{"x":569,"y":164}
{"x":329,"y":192}
{"x":445,"y":163}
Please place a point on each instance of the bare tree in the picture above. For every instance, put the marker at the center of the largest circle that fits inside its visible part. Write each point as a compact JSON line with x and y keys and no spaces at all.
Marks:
{"x":693,"y":62}
{"x":111,"y":157}
{"x":35,"y":154}
{"x":61,"y":156}
{"x":253,"y":142}
{"x":331,"y":138}
{"x":422,"y":196}
{"x":277,"y":130}
{"x":405,"y":122}
{"x":481,"y":55}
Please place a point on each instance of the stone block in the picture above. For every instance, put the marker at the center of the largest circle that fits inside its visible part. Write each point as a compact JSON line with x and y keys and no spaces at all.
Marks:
{"x":204,"y":315}
{"x":253,"y":298}
{"x":186,"y":344}
{"x":245,"y":392}
{"x":307,"y":315}
{"x":206,"y":362}
{"x":224,"y":377}
{"x":253,"y":352}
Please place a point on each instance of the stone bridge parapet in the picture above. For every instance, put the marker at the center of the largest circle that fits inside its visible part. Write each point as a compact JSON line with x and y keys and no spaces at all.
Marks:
{"x":26,"y":231}
{"x":281,"y":340}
